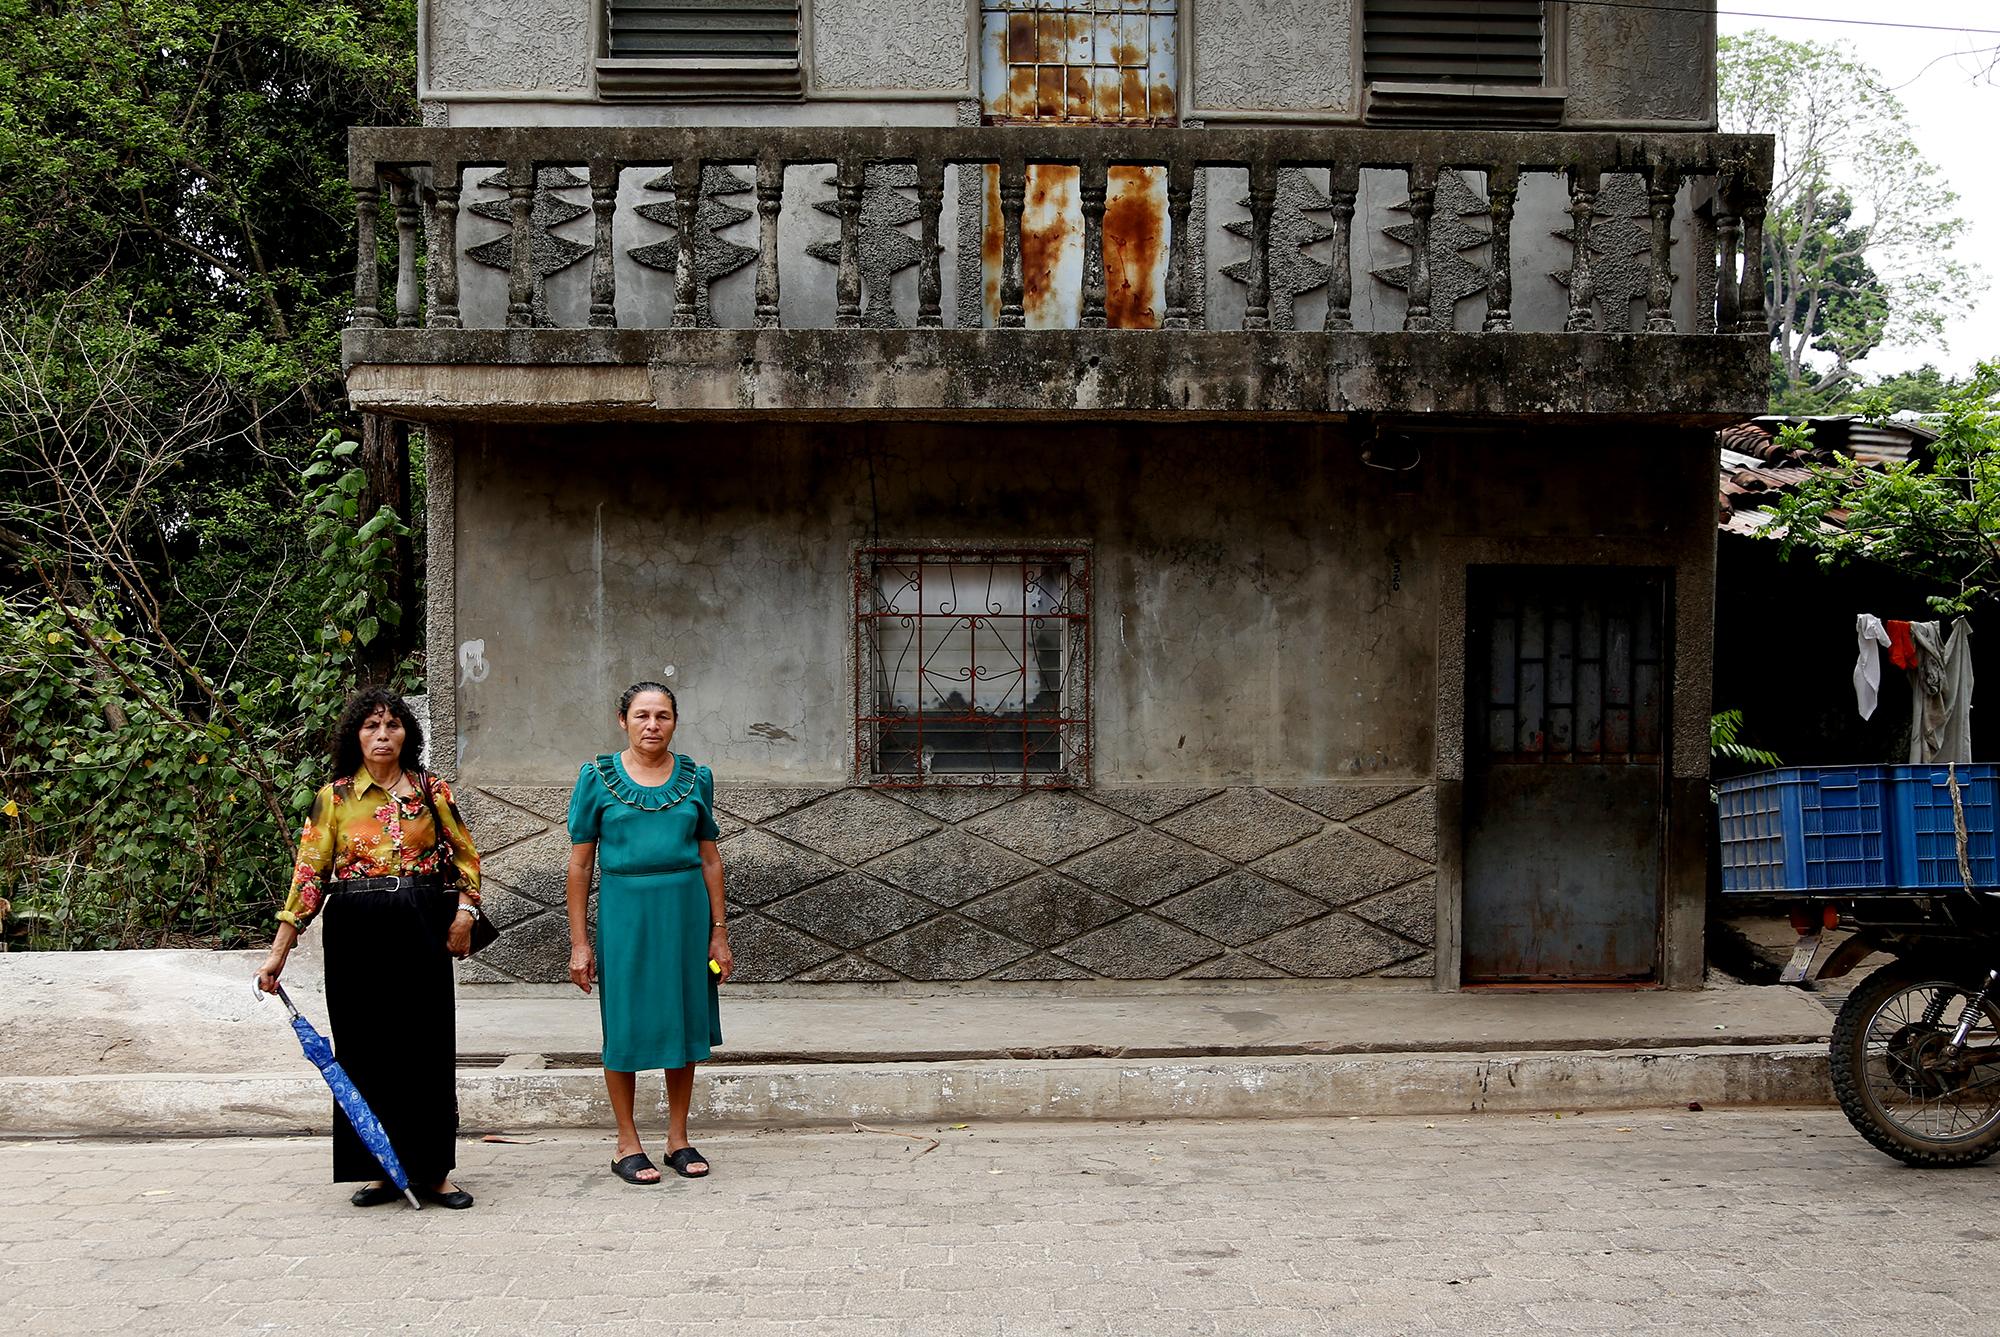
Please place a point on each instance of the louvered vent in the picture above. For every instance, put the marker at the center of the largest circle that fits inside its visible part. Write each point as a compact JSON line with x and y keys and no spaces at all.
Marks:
{"x":704,"y":28}
{"x":694,"y":50}
{"x":1453,"y":41}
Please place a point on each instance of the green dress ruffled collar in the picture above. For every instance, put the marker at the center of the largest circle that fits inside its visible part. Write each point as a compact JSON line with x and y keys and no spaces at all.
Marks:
{"x":680,"y":783}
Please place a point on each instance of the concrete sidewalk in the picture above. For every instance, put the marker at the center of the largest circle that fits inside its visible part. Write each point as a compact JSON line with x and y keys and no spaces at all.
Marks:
{"x":178,"y":1042}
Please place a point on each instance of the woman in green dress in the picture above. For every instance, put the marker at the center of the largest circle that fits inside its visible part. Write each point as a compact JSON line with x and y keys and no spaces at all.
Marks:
{"x":646,"y":817}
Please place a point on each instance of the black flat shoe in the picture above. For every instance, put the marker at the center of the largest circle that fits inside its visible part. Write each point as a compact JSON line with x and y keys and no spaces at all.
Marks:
{"x":374,"y":1195}
{"x":455,"y":1201}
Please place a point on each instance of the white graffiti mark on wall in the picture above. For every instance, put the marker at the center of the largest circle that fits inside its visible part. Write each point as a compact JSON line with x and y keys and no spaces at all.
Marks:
{"x":472,"y":665}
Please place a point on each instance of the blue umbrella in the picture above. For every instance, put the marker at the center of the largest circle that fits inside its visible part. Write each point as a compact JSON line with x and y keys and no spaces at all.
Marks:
{"x":366,"y":1126}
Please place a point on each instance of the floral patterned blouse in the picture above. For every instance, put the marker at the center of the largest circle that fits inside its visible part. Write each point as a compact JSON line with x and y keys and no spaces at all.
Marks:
{"x":357,"y":829}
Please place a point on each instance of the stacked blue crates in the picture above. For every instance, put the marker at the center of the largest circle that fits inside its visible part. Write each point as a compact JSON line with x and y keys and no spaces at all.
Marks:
{"x":1856,"y":828}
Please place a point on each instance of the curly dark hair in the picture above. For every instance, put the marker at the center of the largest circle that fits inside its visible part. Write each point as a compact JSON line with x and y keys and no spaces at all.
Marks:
{"x":631,"y":693}
{"x":345,"y":744}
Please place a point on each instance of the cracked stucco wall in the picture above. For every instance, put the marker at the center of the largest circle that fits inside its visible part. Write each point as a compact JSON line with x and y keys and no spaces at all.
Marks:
{"x":1265,"y":659}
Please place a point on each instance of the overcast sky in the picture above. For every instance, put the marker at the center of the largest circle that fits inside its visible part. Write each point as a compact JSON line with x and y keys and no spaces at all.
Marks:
{"x":1955,"y":113}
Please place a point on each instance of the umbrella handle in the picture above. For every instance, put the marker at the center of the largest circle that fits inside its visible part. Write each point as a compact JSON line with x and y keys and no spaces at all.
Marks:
{"x":283,"y":997}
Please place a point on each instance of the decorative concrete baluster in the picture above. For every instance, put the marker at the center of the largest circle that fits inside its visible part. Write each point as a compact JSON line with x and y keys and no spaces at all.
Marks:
{"x":403,"y":193}
{"x":521,"y":241}
{"x":1092,"y":185}
{"x":1583,"y":183}
{"x":687,"y":207}
{"x":1663,"y":184}
{"x":604,"y":255}
{"x":1503,"y":184}
{"x":367,"y":273}
{"x":1263,"y":201}
{"x":930,"y":208}
{"x":1423,"y":196}
{"x":443,"y":271}
{"x":849,"y":175}
{"x":1752,"y":316}
{"x":1343,"y":185}
{"x":1180,"y":201}
{"x":1013,"y":198}
{"x":1728,"y":285}
{"x":770,"y":202}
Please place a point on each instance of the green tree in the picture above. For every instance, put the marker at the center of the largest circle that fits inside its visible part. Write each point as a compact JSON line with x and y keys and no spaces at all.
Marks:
{"x":175,"y":267}
{"x":1921,"y":391}
{"x":1941,"y":523}
{"x":1859,"y":228}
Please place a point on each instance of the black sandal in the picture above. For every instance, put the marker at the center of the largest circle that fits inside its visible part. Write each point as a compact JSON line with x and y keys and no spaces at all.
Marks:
{"x":629,"y":1168}
{"x":680,"y":1160}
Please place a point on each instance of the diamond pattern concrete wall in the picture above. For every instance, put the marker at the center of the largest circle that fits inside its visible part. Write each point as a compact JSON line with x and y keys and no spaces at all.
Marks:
{"x":1153,"y":883}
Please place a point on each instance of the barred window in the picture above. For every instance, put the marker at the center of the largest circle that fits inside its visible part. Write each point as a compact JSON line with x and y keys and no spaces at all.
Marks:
{"x":701,"y":49}
{"x":1453,"y":41}
{"x":972,"y":666}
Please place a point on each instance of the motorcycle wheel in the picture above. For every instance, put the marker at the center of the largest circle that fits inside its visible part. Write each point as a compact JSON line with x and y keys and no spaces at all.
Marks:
{"x":1887,"y":1043}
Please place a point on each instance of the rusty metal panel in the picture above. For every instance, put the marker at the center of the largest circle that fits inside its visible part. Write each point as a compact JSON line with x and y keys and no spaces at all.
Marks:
{"x":1566,"y":717}
{"x":1080,"y":61}
{"x":1052,"y":256}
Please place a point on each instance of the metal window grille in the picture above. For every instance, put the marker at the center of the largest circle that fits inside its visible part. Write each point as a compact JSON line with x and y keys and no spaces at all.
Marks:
{"x":696,"y":29}
{"x":1079,"y":60}
{"x":1573,"y":665}
{"x":1453,"y":41}
{"x":972,"y":666}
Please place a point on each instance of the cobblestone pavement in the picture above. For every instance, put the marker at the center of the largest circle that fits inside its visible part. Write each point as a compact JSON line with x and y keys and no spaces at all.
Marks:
{"x":1713,"y":1223}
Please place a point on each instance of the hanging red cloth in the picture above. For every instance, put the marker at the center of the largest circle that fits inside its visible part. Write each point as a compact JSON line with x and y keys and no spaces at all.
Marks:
{"x":1902,"y":649}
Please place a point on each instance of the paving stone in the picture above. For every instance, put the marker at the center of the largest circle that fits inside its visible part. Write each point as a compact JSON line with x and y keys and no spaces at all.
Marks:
{"x":950,"y":867}
{"x":954,"y":803}
{"x":767,"y":952}
{"x":549,"y":802}
{"x":537,"y":867}
{"x":1149,"y":803}
{"x":1335,"y":948}
{"x":1239,"y":907}
{"x":759,"y":803}
{"x":1344,"y":801}
{"x":1341,"y":866}
{"x":1139,"y":948}
{"x":1409,"y":824}
{"x":851,"y":910}
{"x":1049,"y":826}
{"x":946,"y":948}
{"x":1242,"y":824}
{"x":1409,"y":910}
{"x":1144,"y":867}
{"x":852,"y":825}
{"x":1044,"y":910}
{"x":495,"y":825}
{"x":758,"y":868}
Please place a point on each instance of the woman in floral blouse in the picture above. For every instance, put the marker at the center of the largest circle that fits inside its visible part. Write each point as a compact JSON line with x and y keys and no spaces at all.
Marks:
{"x":386,"y":861}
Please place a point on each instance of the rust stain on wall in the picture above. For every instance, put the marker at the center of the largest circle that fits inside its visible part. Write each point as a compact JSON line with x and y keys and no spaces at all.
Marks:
{"x":1135,"y":243}
{"x":1045,"y":225}
{"x":992,"y":240}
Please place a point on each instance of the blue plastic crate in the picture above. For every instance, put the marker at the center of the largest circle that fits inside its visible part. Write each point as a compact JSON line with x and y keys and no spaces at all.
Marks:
{"x":1805,"y":828}
{"x":1924,"y":851}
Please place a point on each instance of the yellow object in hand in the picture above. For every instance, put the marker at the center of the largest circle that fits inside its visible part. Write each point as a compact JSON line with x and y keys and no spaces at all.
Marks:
{"x":714,"y":966}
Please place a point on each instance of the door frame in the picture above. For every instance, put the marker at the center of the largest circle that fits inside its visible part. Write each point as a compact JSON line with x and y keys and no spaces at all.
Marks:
{"x":1689,"y":568}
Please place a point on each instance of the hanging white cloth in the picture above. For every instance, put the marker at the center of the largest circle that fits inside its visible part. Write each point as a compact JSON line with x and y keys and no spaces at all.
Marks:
{"x":1871,"y":637}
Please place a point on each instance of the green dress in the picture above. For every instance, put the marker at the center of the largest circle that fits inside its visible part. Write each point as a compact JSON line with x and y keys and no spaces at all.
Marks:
{"x":655,"y":993}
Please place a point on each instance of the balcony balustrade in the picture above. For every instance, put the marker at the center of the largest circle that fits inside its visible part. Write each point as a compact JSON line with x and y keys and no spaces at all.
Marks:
{"x":962,"y":270}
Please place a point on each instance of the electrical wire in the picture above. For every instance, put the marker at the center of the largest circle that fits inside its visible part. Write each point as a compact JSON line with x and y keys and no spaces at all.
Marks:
{"x":1791,"y":18}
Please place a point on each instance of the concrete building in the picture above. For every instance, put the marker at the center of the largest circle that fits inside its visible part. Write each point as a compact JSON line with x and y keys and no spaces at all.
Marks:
{"x":1126,"y":490}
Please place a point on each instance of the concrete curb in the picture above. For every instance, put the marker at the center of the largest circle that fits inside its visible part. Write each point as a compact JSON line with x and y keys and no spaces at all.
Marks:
{"x":826,"y":1094}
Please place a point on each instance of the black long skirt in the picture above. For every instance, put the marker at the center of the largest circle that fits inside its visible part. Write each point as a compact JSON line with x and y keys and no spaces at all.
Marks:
{"x":389,"y":1002}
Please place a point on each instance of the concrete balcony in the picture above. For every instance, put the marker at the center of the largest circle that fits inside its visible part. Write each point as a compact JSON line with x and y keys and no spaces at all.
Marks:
{"x":558,"y":274}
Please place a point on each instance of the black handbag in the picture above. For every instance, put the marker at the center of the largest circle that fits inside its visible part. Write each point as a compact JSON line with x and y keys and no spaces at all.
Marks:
{"x":484,"y":930}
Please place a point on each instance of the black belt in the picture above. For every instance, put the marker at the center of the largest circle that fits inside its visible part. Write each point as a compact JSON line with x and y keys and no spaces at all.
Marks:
{"x":423,"y":882}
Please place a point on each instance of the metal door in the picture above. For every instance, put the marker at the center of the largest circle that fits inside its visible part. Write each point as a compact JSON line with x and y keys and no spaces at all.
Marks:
{"x":1566,"y":709}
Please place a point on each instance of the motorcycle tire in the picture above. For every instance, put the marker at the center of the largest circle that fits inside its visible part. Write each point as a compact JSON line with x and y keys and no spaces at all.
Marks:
{"x":1879,"y":1040}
